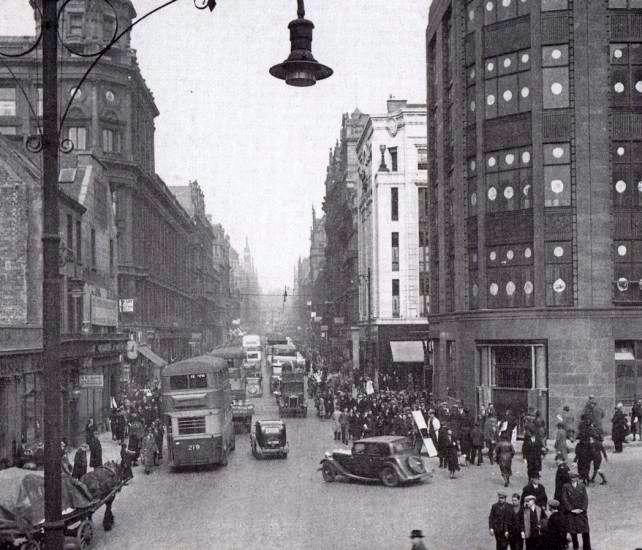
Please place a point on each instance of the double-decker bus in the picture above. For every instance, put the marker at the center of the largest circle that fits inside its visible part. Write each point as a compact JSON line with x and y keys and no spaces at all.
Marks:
{"x":197,"y":410}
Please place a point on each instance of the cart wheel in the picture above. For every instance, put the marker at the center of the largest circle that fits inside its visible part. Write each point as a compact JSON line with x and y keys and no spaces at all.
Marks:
{"x":85,"y":534}
{"x":224,"y":458}
{"x":30,"y":545}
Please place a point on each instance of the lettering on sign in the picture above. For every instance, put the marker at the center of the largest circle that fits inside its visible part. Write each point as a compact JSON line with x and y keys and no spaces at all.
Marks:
{"x":91,"y":380}
{"x":126,"y":305}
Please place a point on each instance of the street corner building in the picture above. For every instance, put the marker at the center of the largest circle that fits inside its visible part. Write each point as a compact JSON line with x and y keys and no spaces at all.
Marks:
{"x":90,"y":349}
{"x":535,"y":194}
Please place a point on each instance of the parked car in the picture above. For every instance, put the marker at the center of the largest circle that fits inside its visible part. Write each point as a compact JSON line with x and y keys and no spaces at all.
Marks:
{"x":390,"y":459}
{"x":269,"y":438}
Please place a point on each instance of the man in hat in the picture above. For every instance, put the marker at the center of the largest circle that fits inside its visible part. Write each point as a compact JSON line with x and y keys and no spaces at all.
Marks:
{"x":575,"y":503}
{"x":555,"y":532}
{"x":417,"y":544}
{"x":537,"y":490}
{"x":499,"y":521}
{"x":532,"y":517}
{"x":532,"y":451}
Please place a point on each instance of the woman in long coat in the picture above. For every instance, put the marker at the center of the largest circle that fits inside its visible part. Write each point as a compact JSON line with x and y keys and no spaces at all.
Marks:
{"x":96,"y":450}
{"x":452,"y":455}
{"x":504,"y":454}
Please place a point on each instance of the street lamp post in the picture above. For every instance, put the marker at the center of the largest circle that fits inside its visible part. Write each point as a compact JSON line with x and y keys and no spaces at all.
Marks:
{"x":300,"y":69}
{"x":371,"y":367}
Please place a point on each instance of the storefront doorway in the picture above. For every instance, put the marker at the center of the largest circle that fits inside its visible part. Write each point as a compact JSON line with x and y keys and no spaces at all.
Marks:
{"x":513,"y":376}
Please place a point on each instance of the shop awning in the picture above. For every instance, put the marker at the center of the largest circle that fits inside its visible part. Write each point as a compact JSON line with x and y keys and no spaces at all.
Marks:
{"x":157,"y":360}
{"x":407,"y":352}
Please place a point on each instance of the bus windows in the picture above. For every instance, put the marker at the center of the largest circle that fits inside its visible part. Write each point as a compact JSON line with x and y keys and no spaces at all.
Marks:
{"x":198,"y":380}
{"x":188,"y":381}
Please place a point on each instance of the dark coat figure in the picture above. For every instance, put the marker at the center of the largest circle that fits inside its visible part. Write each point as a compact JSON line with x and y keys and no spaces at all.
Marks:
{"x":126,"y":462}
{"x":597,"y":450}
{"x":452,"y":456}
{"x":555,"y":532}
{"x":575,"y":504}
{"x":532,"y":526}
{"x":90,"y":430}
{"x":499,"y":522}
{"x":619,"y":428}
{"x":159,"y":433}
{"x":477,"y":445}
{"x":442,"y":446}
{"x":490,"y":435}
{"x":80,"y":462}
{"x":504,"y":454}
{"x":532,"y":451}
{"x":135,"y":436}
{"x":96,"y":450}
{"x":583,"y":456}
{"x":515,"y":531}
{"x":537,"y":490}
{"x":562,"y":477}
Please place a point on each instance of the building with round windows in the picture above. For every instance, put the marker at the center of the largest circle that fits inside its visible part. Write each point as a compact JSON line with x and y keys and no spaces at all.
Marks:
{"x":535,"y":193}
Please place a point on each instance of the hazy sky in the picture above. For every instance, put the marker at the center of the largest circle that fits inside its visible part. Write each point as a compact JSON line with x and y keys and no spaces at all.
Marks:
{"x":259,"y":148}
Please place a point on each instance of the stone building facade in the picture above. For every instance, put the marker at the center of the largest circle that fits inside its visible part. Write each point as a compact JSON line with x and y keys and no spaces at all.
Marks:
{"x":392,"y":177}
{"x":91,"y":348}
{"x":535,"y":137}
{"x":341,"y":250}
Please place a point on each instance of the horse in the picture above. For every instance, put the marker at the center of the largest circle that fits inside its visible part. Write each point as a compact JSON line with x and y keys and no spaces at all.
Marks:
{"x":100,"y":482}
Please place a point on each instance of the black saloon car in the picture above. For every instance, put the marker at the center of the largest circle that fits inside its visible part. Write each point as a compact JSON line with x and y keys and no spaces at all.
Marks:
{"x":269,"y":439}
{"x":389,"y":458}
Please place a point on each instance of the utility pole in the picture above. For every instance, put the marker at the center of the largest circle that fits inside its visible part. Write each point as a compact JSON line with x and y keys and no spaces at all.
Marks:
{"x":54,"y":534}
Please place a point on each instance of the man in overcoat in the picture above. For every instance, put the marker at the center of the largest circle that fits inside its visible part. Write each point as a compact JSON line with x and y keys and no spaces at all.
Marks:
{"x":575,"y":504}
{"x":536,"y":489}
{"x":532,"y":451}
{"x":499,"y":522}
{"x":532,"y":524}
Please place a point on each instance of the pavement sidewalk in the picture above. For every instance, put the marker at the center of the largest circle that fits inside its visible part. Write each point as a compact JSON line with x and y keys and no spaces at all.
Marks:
{"x":608,"y":443}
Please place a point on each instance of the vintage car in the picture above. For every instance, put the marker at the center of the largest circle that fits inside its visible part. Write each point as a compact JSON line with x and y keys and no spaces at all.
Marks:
{"x":269,"y":439}
{"x":391,"y":459}
{"x":254,"y":386}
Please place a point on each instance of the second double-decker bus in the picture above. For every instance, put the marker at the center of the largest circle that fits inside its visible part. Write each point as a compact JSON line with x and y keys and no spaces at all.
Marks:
{"x":196,"y":403}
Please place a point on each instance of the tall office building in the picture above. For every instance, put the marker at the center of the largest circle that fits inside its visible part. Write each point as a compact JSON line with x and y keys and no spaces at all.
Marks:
{"x":535,"y":192}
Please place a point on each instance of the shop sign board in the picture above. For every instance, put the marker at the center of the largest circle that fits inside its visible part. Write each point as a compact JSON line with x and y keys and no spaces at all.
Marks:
{"x":104,"y":312}
{"x":91,"y":380}
{"x":126,"y":305}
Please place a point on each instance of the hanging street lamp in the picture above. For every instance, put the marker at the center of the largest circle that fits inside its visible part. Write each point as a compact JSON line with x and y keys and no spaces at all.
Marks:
{"x":300,"y":68}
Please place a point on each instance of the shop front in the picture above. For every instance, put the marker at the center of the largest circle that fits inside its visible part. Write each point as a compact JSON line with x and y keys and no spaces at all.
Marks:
{"x":513,"y":377}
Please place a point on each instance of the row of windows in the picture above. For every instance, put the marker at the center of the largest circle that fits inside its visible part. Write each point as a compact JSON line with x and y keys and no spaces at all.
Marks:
{"x":496,"y":10}
{"x":111,"y":139}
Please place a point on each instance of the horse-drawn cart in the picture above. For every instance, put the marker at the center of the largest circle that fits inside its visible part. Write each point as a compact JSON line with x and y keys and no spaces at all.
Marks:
{"x":22,"y":506}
